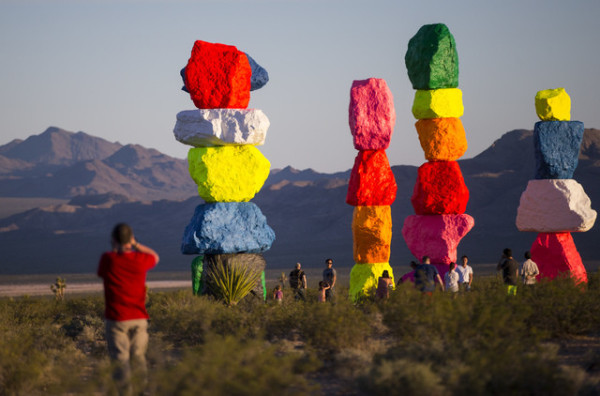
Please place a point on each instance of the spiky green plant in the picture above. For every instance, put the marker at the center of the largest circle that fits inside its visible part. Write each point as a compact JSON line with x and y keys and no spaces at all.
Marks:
{"x":232,"y":281}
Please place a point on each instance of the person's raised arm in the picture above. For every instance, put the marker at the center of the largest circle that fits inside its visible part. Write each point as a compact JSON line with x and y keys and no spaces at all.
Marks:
{"x":144,"y":249}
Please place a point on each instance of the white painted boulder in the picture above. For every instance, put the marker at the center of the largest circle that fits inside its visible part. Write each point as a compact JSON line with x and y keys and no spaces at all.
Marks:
{"x":221,"y":127}
{"x":555,"y":205}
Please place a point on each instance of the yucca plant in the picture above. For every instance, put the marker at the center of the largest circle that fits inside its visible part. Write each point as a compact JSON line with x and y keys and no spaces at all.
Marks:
{"x":231,"y":280}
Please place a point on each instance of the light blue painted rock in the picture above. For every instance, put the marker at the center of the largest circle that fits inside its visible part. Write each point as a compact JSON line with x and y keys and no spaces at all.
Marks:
{"x":260,"y":77}
{"x":557,"y":145}
{"x":227,"y":227}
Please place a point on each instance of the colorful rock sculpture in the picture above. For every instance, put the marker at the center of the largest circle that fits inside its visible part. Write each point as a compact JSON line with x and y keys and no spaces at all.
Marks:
{"x":440,"y":195}
{"x":554,"y":205}
{"x":372,"y":187}
{"x":224,"y":162}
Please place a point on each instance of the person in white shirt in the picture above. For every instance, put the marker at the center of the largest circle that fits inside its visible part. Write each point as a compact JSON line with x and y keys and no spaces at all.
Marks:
{"x":451,"y":279}
{"x":465,"y":273}
{"x":529,"y":270}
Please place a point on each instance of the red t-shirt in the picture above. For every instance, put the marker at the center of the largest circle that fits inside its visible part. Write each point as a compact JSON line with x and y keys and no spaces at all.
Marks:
{"x":124,"y":277}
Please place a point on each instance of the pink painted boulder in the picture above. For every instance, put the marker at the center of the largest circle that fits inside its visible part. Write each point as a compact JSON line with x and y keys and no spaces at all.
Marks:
{"x":436,"y":236}
{"x":440,"y":189}
{"x":371,"y":181}
{"x":556,"y":254}
{"x":371,"y":114}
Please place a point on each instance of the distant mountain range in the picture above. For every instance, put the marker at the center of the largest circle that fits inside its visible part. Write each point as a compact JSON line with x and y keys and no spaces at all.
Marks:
{"x":103,"y":183}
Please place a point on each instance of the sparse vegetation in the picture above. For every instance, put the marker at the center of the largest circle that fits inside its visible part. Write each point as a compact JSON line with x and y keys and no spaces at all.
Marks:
{"x":482,"y":342}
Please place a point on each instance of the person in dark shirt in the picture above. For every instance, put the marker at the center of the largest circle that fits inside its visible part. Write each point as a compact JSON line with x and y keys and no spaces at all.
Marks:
{"x":329,"y":276}
{"x":298,"y":282}
{"x":426,"y":276}
{"x":510,"y":271}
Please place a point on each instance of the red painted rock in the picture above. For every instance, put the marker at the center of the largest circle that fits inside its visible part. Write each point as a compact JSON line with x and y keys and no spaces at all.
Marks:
{"x":556,"y":254}
{"x":371,"y":181}
{"x":436,"y":236}
{"x":218,"y":76}
{"x":440,"y":189}
{"x":371,"y":114}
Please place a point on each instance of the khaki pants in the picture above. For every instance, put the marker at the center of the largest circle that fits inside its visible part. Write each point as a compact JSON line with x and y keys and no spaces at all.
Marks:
{"x":127,"y":344}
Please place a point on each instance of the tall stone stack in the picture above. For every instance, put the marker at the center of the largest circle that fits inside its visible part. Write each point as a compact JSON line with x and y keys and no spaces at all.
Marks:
{"x":224,"y":161}
{"x":553,"y":204}
{"x":372,"y":187}
{"x":440,"y":195}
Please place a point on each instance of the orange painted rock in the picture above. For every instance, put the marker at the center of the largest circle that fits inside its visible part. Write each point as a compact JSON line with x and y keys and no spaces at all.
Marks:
{"x":556,"y":254}
{"x":442,"y":139}
{"x":371,"y":181}
{"x":440,"y":189}
{"x":372,"y":234}
{"x":218,"y":76}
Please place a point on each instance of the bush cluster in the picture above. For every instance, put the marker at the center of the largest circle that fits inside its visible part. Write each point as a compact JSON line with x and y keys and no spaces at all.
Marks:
{"x":481,"y":342}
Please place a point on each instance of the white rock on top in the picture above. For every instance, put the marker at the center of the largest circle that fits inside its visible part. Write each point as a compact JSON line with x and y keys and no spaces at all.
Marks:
{"x":221,"y":127}
{"x":555,"y":205}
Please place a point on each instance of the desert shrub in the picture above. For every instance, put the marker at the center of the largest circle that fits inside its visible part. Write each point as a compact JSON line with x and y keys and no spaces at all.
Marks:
{"x":402,"y":377}
{"x":228,"y":366}
{"x":331,"y":327}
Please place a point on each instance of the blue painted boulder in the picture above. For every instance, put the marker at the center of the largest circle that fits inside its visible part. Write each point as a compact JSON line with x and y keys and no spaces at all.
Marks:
{"x":227,"y":227}
{"x":557,"y":145}
{"x":260,"y":77}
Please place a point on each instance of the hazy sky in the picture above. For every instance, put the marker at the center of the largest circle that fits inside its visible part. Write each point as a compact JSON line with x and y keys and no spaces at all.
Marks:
{"x":111,"y":68}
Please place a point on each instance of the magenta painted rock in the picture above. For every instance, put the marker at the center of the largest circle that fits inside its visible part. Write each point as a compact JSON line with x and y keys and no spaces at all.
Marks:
{"x":556,"y":255}
{"x":371,"y":114}
{"x":440,"y":189}
{"x":371,"y":181}
{"x":436,"y":236}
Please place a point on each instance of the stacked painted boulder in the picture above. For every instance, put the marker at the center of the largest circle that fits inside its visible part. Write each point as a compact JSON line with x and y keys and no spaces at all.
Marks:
{"x":372,"y":187}
{"x":224,"y":162}
{"x":440,"y":195}
{"x":554,"y":205}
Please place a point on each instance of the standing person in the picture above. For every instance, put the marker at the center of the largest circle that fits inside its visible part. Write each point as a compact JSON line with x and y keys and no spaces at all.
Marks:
{"x":409,"y":276}
{"x":298,"y":282}
{"x":529,"y":270}
{"x":278,"y":294}
{"x":510,"y":271}
{"x":465,"y":274}
{"x":323,"y":287}
{"x":451,"y":278}
{"x":329,"y":276}
{"x":426,"y":276}
{"x":123,"y":271}
{"x":383,"y":286}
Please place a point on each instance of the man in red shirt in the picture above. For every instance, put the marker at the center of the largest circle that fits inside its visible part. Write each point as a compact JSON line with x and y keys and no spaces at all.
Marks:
{"x":124,"y":273}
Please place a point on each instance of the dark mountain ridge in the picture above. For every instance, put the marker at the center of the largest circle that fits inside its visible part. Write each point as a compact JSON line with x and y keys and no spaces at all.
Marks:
{"x":306,"y":209}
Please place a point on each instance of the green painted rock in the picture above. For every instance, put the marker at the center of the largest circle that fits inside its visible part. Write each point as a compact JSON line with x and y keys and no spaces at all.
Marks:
{"x":431,"y":58}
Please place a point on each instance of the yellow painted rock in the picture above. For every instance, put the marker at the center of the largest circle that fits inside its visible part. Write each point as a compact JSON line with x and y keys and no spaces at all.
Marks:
{"x":364,"y":278}
{"x":553,"y":105}
{"x":372,"y":234}
{"x":228,"y":173}
{"x":442,"y":139}
{"x":438,"y":103}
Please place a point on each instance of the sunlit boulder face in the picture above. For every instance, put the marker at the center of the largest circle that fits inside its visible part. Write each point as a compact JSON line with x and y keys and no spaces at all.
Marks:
{"x":557,"y":145}
{"x":365,"y":278}
{"x":218,"y":76}
{"x":436,"y":236}
{"x":556,"y":255}
{"x":228,"y":173}
{"x":371,"y":114}
{"x":372,"y":234}
{"x":233,"y":227}
{"x":221,"y":127}
{"x":555,"y":205}
{"x":431,"y":59}
{"x":438,"y":103}
{"x":553,"y":105}
{"x":440,"y":189}
{"x":442,"y":139}
{"x":371,"y":180}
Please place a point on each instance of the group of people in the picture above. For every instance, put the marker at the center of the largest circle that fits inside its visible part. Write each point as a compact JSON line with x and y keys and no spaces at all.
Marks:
{"x":511,"y":271}
{"x":299,"y":284}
